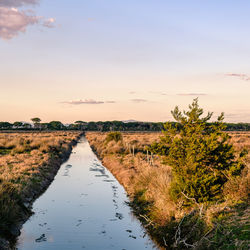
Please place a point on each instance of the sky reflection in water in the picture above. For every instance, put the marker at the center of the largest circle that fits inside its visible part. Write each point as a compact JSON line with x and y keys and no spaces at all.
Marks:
{"x":84,"y":208}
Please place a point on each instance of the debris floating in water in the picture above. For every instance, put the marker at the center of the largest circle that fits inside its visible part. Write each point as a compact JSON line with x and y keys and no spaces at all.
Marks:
{"x":41,"y":238}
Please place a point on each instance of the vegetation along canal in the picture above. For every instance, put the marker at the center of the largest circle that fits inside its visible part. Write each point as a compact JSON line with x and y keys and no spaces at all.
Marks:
{"x":84,"y":208}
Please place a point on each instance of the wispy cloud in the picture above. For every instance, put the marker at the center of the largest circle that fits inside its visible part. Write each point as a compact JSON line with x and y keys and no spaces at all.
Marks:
{"x":158,"y":92}
{"x":110,"y":102}
{"x":14,"y":21}
{"x":49,"y":23}
{"x":192,"y":94}
{"x":132,"y":92}
{"x":86,"y":101}
{"x":237,"y":117}
{"x":139,"y":100}
{"x":17,"y":3}
{"x":243,"y":77}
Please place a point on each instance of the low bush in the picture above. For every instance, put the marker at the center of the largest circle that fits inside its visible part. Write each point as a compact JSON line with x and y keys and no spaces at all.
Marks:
{"x":114,"y":136}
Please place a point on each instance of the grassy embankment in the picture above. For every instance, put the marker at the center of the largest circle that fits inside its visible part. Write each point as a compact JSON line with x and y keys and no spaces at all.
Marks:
{"x":28,"y":164}
{"x":223,"y":225}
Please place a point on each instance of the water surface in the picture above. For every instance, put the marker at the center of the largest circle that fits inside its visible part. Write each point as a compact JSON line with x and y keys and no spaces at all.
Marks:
{"x":84,"y":208}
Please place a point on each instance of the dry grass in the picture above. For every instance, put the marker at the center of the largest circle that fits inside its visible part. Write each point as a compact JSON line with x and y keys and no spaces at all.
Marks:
{"x":27,"y":161}
{"x":152,"y":180}
{"x":238,"y":188}
{"x":26,"y":154}
{"x":136,"y":173}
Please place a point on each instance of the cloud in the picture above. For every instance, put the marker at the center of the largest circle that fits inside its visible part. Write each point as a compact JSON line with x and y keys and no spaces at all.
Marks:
{"x":138,"y":100}
{"x":17,"y":3}
{"x":237,"y":117}
{"x":243,"y":77}
{"x":158,"y":92}
{"x":243,"y":115}
{"x":110,"y":102}
{"x":13,"y":21}
{"x":49,"y":23}
{"x":87,"y":101}
{"x":192,"y":94}
{"x":132,"y":92}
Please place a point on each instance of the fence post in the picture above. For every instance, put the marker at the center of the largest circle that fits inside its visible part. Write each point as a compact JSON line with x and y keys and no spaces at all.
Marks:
{"x":152,"y":161}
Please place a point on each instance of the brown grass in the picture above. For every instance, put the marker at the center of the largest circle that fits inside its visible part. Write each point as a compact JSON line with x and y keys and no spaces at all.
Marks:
{"x":28,"y":163}
{"x":26,"y":154}
{"x":238,"y":188}
{"x":153,"y":180}
{"x":135,"y":173}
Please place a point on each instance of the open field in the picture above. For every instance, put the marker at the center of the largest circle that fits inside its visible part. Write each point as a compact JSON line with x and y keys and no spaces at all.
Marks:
{"x":147,"y":181}
{"x":28,"y":164}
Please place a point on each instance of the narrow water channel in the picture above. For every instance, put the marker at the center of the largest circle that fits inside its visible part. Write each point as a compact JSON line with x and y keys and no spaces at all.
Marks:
{"x":84,"y":208}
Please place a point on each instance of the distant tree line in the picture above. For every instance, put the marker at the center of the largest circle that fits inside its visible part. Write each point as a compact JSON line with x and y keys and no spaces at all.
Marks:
{"x":102,"y":126}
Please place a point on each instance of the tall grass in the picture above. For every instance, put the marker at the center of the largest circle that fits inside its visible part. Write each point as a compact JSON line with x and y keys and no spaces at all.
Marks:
{"x":26,"y":160}
{"x":148,"y":181}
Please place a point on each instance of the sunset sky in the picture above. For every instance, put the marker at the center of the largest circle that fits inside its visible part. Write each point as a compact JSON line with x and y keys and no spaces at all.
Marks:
{"x":117,"y":60}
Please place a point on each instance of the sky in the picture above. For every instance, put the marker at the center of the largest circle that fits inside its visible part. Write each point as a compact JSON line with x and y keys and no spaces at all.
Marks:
{"x":98,"y":60}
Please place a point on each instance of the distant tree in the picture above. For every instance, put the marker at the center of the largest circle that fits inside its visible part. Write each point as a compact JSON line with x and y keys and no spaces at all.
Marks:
{"x":199,"y":153}
{"x":55,"y":125}
{"x":17,"y":124}
{"x":43,"y":125}
{"x":71,"y":126}
{"x":80,"y":124}
{"x":118,"y":125}
{"x":99,"y":125}
{"x":26,"y":125}
{"x":5,"y":125}
{"x":92,"y":126}
{"x":36,"y":121}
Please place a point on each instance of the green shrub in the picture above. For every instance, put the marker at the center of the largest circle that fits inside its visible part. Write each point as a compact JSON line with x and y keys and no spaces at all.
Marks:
{"x":158,"y":148}
{"x":113,"y":136}
{"x":201,"y":158}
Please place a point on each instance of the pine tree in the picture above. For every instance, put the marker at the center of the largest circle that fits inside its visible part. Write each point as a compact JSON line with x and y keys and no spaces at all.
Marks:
{"x":199,"y":153}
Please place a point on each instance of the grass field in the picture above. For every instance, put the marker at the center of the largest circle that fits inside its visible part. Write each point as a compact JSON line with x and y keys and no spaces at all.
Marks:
{"x":147,"y":181}
{"x":29,"y":162}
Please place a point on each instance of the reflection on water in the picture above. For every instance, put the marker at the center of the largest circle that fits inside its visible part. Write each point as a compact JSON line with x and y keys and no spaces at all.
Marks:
{"x":84,"y":208}
{"x":66,"y":170}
